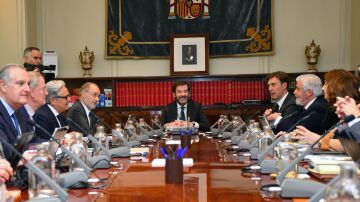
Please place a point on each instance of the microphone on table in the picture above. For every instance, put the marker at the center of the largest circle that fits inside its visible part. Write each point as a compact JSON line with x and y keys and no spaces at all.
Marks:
{"x":119,"y":151}
{"x":255,"y":151}
{"x":235,"y":131}
{"x":41,"y":174}
{"x":298,"y":187}
{"x":121,"y":137}
{"x":269,"y":166}
{"x":99,"y":161}
{"x":70,"y":178}
{"x":83,"y":165}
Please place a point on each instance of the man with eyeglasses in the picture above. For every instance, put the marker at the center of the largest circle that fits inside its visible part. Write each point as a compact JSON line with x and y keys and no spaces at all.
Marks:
{"x":49,"y":116}
{"x":81,"y":110}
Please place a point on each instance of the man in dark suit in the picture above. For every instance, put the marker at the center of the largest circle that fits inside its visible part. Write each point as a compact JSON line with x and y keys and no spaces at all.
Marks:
{"x":176,"y":112}
{"x":14,"y":90}
{"x":81,"y":110}
{"x":49,"y":115}
{"x":285,"y":102}
{"x":308,"y":93}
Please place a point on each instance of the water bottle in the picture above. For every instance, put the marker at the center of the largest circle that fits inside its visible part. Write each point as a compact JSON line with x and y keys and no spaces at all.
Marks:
{"x":254,"y":134}
{"x":102,"y":138}
{"x":131,"y":130}
{"x":37,"y":187}
{"x":266,"y":139}
{"x":156,"y":122}
{"x":287,"y":153}
{"x":142,"y":127}
{"x":116,"y":140}
{"x":348,"y":186}
{"x":80,"y":149}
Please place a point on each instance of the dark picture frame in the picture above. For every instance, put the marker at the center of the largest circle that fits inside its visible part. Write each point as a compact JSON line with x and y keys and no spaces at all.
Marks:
{"x":189,"y":54}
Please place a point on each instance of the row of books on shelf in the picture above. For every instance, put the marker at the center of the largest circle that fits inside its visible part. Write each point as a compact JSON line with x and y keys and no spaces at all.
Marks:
{"x":205,"y":92}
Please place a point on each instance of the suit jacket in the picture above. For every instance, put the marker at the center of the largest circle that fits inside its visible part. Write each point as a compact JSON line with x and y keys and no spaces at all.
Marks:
{"x":8,"y":132}
{"x":330,"y":119}
{"x":46,"y":119}
{"x":289,"y":106}
{"x":314,"y":122}
{"x":77,"y":114}
{"x":169,"y":114}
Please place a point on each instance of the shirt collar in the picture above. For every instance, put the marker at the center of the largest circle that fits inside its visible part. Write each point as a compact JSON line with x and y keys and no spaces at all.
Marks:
{"x":179,"y":106}
{"x":53,"y":110}
{"x":9,"y":109}
{"x":87,"y":111}
{"x":308,"y":105}
{"x":30,"y":111}
{"x":281,"y":101}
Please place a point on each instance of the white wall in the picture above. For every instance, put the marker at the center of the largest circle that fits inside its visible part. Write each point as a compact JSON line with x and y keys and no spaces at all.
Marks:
{"x":67,"y":26}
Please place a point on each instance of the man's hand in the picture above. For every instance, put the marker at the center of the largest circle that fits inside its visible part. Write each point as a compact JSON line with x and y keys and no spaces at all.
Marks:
{"x":273,"y":116}
{"x":5,"y":170}
{"x":267,"y":112}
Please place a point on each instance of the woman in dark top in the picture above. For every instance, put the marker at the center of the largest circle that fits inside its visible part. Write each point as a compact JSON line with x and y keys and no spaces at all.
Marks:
{"x":338,"y":83}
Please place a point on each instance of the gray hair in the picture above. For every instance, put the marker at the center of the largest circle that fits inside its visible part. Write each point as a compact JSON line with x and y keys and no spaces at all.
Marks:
{"x":53,"y":88}
{"x":34,"y":79}
{"x":5,"y":72}
{"x":311,"y":82}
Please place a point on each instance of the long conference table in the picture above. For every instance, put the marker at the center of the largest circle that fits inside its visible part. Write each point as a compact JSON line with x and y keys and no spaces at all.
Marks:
{"x":215,"y":176}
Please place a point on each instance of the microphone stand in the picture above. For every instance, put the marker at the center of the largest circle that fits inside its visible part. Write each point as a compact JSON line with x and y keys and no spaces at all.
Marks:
{"x":83,"y":165}
{"x":107,"y":153}
{"x":30,"y":165}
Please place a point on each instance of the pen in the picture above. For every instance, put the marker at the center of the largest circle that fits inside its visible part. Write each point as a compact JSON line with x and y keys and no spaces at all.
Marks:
{"x":163,"y":151}
{"x":183,"y":152}
{"x":178,"y":152}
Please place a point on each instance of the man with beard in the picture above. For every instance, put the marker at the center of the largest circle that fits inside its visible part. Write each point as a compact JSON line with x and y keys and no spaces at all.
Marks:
{"x":285,"y":102}
{"x":81,"y":110}
{"x":183,"y":110}
{"x":308,"y":93}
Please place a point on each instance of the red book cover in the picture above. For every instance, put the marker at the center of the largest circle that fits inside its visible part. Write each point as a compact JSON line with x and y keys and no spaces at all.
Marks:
{"x":194,"y":91}
{"x":229,"y":84}
{"x":163,"y":92}
{"x":157,"y":94}
{"x":141,"y":94}
{"x":202,"y":92}
{"x":152,"y":93}
{"x":126,"y":92}
{"x":206,"y":93}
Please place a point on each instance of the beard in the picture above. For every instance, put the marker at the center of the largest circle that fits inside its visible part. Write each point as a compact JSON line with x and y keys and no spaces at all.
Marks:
{"x":182,"y":100}
{"x":299,"y":102}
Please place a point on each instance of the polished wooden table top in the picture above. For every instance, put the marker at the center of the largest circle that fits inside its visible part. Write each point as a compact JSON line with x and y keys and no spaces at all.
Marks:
{"x":215,"y":176}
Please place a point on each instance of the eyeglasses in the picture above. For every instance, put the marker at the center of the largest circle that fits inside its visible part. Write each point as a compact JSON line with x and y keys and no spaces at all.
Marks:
{"x":64,"y":97}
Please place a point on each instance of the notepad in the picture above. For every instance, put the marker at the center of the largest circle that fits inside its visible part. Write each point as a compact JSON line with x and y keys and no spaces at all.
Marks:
{"x":168,"y":142}
{"x":187,"y":162}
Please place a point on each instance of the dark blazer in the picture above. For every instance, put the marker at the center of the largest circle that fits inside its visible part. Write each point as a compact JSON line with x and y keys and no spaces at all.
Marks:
{"x":8,"y":132}
{"x":352,"y":132}
{"x":77,"y":113}
{"x":46,"y":119}
{"x":289,"y":106}
{"x":314,"y":122}
{"x":169,"y":114}
{"x":330,"y":119}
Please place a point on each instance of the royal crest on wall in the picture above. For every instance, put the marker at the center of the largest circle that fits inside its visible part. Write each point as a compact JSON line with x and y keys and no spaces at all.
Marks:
{"x":142,"y":28}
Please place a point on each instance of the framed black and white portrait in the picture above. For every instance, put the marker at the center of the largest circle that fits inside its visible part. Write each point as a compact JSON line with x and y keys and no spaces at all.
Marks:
{"x":189,"y":54}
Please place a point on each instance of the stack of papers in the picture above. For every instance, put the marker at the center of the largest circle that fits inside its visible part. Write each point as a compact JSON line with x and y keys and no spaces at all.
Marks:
{"x":327,"y":164}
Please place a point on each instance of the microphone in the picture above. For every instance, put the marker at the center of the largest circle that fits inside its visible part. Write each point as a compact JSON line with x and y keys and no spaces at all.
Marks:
{"x":290,"y":185}
{"x":231,"y":134}
{"x":83,"y":165}
{"x":301,"y":120}
{"x":99,"y":161}
{"x":116,"y":152}
{"x":30,"y":165}
{"x":269,"y":166}
{"x":294,"y":113}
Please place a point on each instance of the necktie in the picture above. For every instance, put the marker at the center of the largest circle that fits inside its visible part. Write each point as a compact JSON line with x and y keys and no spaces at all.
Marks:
{"x":276,"y":108}
{"x":16,"y":124}
{"x":182,"y":114}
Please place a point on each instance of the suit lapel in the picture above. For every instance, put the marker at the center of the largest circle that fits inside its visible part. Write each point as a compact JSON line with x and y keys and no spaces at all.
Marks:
{"x":6,"y":117}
